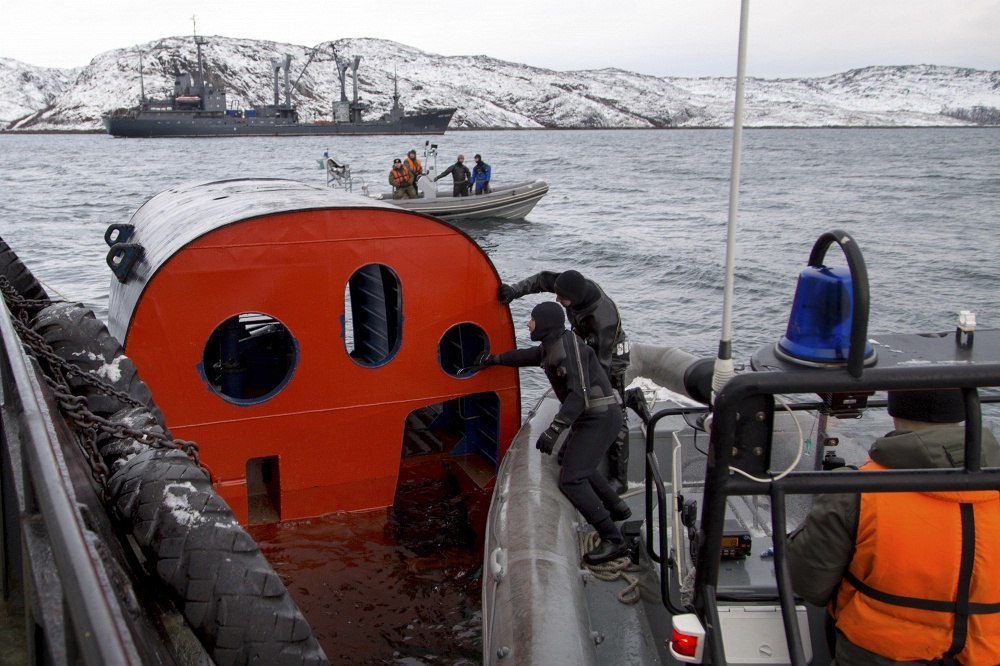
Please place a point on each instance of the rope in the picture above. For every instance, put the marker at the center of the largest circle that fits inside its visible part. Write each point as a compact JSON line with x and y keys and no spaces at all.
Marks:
{"x":612,"y":570}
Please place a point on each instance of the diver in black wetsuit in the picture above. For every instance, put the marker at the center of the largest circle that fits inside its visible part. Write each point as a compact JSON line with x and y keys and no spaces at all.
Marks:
{"x":594,"y":317}
{"x":589,"y":419}
{"x":460,"y":175}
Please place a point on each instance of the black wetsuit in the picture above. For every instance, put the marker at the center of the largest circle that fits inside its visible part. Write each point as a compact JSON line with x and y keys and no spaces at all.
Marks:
{"x":592,"y":431}
{"x":460,"y":175}
{"x":596,"y":320}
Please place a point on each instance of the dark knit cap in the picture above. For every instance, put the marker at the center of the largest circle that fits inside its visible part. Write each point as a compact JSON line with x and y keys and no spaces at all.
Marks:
{"x":571,"y":286}
{"x":928,"y":406}
{"x":549,"y":318}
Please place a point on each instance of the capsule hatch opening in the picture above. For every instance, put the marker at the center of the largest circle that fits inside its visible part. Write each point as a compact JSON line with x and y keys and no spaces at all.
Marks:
{"x":263,"y":490}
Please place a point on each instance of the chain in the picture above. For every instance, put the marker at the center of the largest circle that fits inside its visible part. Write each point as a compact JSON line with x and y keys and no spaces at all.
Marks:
{"x":65,"y":369}
{"x":17,"y":302}
{"x":74,"y":410}
{"x":84,"y":422}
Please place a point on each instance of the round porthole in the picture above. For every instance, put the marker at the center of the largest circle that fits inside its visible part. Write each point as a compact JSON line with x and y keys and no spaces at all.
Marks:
{"x":459,"y":348}
{"x":249,"y":358}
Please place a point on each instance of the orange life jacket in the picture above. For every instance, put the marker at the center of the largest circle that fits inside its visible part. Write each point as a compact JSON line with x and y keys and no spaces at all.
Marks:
{"x":413,"y":166}
{"x":923,"y":582}
{"x":399,"y":177}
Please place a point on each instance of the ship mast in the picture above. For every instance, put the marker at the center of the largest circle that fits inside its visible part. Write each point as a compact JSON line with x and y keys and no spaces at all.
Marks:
{"x":395,"y":90}
{"x":279,"y":67}
{"x":396,"y":112}
{"x":347,"y":111}
{"x":288,"y":89}
{"x":355,"y":109}
{"x":142,"y":85}
{"x":198,"y":41}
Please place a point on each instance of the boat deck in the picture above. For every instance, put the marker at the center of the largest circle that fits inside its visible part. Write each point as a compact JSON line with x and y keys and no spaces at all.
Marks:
{"x":638,"y":632}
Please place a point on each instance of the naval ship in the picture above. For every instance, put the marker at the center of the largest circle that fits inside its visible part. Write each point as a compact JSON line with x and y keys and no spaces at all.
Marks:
{"x":198,"y":108}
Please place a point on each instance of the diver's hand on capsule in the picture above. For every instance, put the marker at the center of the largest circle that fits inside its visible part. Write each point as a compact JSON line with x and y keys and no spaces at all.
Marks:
{"x":505,"y":294}
{"x":485,"y":359}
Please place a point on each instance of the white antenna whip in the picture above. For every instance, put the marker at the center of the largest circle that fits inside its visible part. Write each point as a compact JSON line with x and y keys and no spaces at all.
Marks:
{"x":724,"y":360}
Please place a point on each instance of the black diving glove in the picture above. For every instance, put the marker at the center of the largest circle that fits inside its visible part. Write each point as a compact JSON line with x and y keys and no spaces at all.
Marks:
{"x":505,"y":293}
{"x":547,"y":440}
{"x":635,"y":399}
{"x":485,"y":359}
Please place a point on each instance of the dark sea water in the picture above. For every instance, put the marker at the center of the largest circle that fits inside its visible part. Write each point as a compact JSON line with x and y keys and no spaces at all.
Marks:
{"x":641,"y":212}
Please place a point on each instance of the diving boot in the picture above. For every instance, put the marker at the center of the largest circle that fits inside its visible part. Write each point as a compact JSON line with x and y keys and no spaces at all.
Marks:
{"x":607,"y":551}
{"x":612,"y":545}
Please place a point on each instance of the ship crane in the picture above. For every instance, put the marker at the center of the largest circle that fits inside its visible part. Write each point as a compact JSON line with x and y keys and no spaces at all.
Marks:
{"x":312,"y":56}
{"x":342,"y":68}
{"x":280,"y":66}
{"x":345,"y":111}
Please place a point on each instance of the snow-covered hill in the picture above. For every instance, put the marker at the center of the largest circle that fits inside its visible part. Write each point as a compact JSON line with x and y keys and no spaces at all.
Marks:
{"x":26,"y":91}
{"x":490,"y":92}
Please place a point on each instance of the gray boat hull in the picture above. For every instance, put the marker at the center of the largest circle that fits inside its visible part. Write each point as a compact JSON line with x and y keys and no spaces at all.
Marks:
{"x":512,"y":202}
{"x":151,"y":124}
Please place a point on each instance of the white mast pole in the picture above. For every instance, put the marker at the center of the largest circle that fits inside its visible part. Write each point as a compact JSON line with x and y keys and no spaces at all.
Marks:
{"x":724,"y":359}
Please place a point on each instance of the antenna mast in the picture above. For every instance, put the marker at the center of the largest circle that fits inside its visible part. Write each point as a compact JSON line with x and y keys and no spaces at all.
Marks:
{"x":142,"y":86}
{"x":724,"y":359}
{"x":198,"y":41}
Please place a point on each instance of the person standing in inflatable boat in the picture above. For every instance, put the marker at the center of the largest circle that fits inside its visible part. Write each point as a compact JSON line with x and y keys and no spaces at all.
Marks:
{"x":587,"y":424}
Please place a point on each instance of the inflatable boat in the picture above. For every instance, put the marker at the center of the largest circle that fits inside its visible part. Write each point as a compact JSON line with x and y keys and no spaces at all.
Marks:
{"x":716,"y":483}
{"x":506,"y":202}
{"x":724,"y":466}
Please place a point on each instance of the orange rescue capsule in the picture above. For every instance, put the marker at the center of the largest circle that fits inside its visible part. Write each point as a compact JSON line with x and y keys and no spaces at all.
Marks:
{"x":314,"y":343}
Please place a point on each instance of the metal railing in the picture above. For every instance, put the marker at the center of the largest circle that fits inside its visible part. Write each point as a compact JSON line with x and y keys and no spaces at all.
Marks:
{"x":721,"y":484}
{"x":733,"y":437}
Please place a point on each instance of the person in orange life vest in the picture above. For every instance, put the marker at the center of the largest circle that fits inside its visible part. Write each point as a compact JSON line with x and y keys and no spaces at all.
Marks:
{"x":414,"y":167}
{"x":402,"y":183}
{"x":908,"y":577}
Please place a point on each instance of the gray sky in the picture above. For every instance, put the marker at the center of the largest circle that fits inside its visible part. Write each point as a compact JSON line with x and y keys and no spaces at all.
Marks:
{"x":660,"y":37}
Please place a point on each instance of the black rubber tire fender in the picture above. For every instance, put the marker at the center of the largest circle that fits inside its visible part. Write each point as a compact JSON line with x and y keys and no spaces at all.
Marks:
{"x":225,"y":587}
{"x":77,"y":336}
{"x":116,"y":451}
{"x":22,"y":279}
